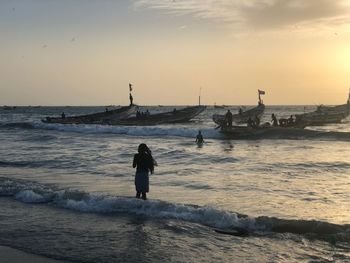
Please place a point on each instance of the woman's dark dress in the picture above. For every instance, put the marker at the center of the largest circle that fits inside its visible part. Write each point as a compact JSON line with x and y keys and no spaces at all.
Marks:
{"x":144,"y":164}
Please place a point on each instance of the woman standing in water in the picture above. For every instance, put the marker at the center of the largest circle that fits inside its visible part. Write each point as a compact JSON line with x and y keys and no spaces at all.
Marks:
{"x":144,"y":163}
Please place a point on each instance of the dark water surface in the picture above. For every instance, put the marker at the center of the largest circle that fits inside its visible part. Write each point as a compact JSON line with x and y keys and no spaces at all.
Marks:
{"x":67,"y":192}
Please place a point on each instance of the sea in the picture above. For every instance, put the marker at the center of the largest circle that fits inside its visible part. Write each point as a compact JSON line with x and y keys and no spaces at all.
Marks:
{"x":67,"y":191}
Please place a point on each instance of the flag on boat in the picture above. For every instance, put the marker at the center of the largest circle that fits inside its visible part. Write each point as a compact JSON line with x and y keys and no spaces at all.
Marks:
{"x":130,"y":87}
{"x":261,"y":92}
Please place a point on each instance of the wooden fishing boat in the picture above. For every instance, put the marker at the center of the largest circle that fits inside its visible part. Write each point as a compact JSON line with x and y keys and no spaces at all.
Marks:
{"x":219,"y":106}
{"x":344,"y":108}
{"x":243,"y":117}
{"x":325,"y":114}
{"x":267,"y":132}
{"x":95,"y":118}
{"x":317,"y":118}
{"x":288,"y":133}
{"x":175,"y":116}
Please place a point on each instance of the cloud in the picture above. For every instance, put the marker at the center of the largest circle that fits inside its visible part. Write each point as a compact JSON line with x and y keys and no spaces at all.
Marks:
{"x":259,"y":14}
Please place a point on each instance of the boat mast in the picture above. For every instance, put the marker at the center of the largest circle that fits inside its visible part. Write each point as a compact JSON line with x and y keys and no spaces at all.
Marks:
{"x":199,"y":99}
{"x":130,"y":95}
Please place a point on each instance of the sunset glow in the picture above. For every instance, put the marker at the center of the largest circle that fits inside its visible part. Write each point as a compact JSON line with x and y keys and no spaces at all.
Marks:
{"x":86,"y":53}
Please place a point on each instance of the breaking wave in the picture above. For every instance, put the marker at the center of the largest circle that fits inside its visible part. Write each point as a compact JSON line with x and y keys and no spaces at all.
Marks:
{"x":163,"y":130}
{"x":225,"y":222}
{"x":181,"y":131}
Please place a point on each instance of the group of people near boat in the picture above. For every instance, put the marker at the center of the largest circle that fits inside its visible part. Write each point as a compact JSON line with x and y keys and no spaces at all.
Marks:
{"x":283,"y":122}
{"x":287,"y":122}
{"x":142,"y":115}
{"x":228,"y":119}
{"x":254,"y":122}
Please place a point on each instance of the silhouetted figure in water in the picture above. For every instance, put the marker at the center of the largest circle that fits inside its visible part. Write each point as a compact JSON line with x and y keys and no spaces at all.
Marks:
{"x":199,"y":138}
{"x":290,"y":120}
{"x":106,"y":109}
{"x":138,"y":114}
{"x":147,"y":113}
{"x":256,"y":121}
{"x":229,"y":118}
{"x":240,"y":111}
{"x":274,"y":120}
{"x":63,"y":116}
{"x":250,"y":123}
{"x":144,"y":163}
{"x":131,"y":99}
{"x":283,"y":122}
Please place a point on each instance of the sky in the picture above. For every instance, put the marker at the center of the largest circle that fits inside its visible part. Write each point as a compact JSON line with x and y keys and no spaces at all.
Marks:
{"x":86,"y":52}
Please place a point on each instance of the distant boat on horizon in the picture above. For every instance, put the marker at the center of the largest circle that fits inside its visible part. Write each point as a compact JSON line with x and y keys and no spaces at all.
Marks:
{"x":219,"y":106}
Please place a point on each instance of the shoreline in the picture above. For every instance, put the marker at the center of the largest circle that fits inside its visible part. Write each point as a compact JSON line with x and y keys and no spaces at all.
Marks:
{"x":10,"y":255}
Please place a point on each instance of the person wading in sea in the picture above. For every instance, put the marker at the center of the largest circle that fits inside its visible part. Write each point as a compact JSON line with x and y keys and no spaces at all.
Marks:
{"x":274,"y":120}
{"x":228,"y":118}
{"x":144,"y":163}
{"x":199,"y":138}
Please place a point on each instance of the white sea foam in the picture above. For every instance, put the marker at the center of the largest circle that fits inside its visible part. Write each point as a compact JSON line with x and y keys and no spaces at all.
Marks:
{"x":157,"y":209}
{"x":205,"y":215}
{"x":163,"y":130}
{"x":29,"y":196}
{"x":99,"y":203}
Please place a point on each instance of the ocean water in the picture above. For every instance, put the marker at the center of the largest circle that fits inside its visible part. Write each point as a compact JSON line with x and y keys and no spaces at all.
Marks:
{"x":67,"y":191}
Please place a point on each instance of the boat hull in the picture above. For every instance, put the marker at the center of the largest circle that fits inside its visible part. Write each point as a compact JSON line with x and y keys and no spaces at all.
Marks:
{"x":240,"y":133}
{"x":325,"y":115}
{"x":320,"y":118}
{"x":95,"y":118}
{"x":241,"y":118}
{"x":179,"y":116}
{"x":280,"y":133}
{"x":344,"y":108}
